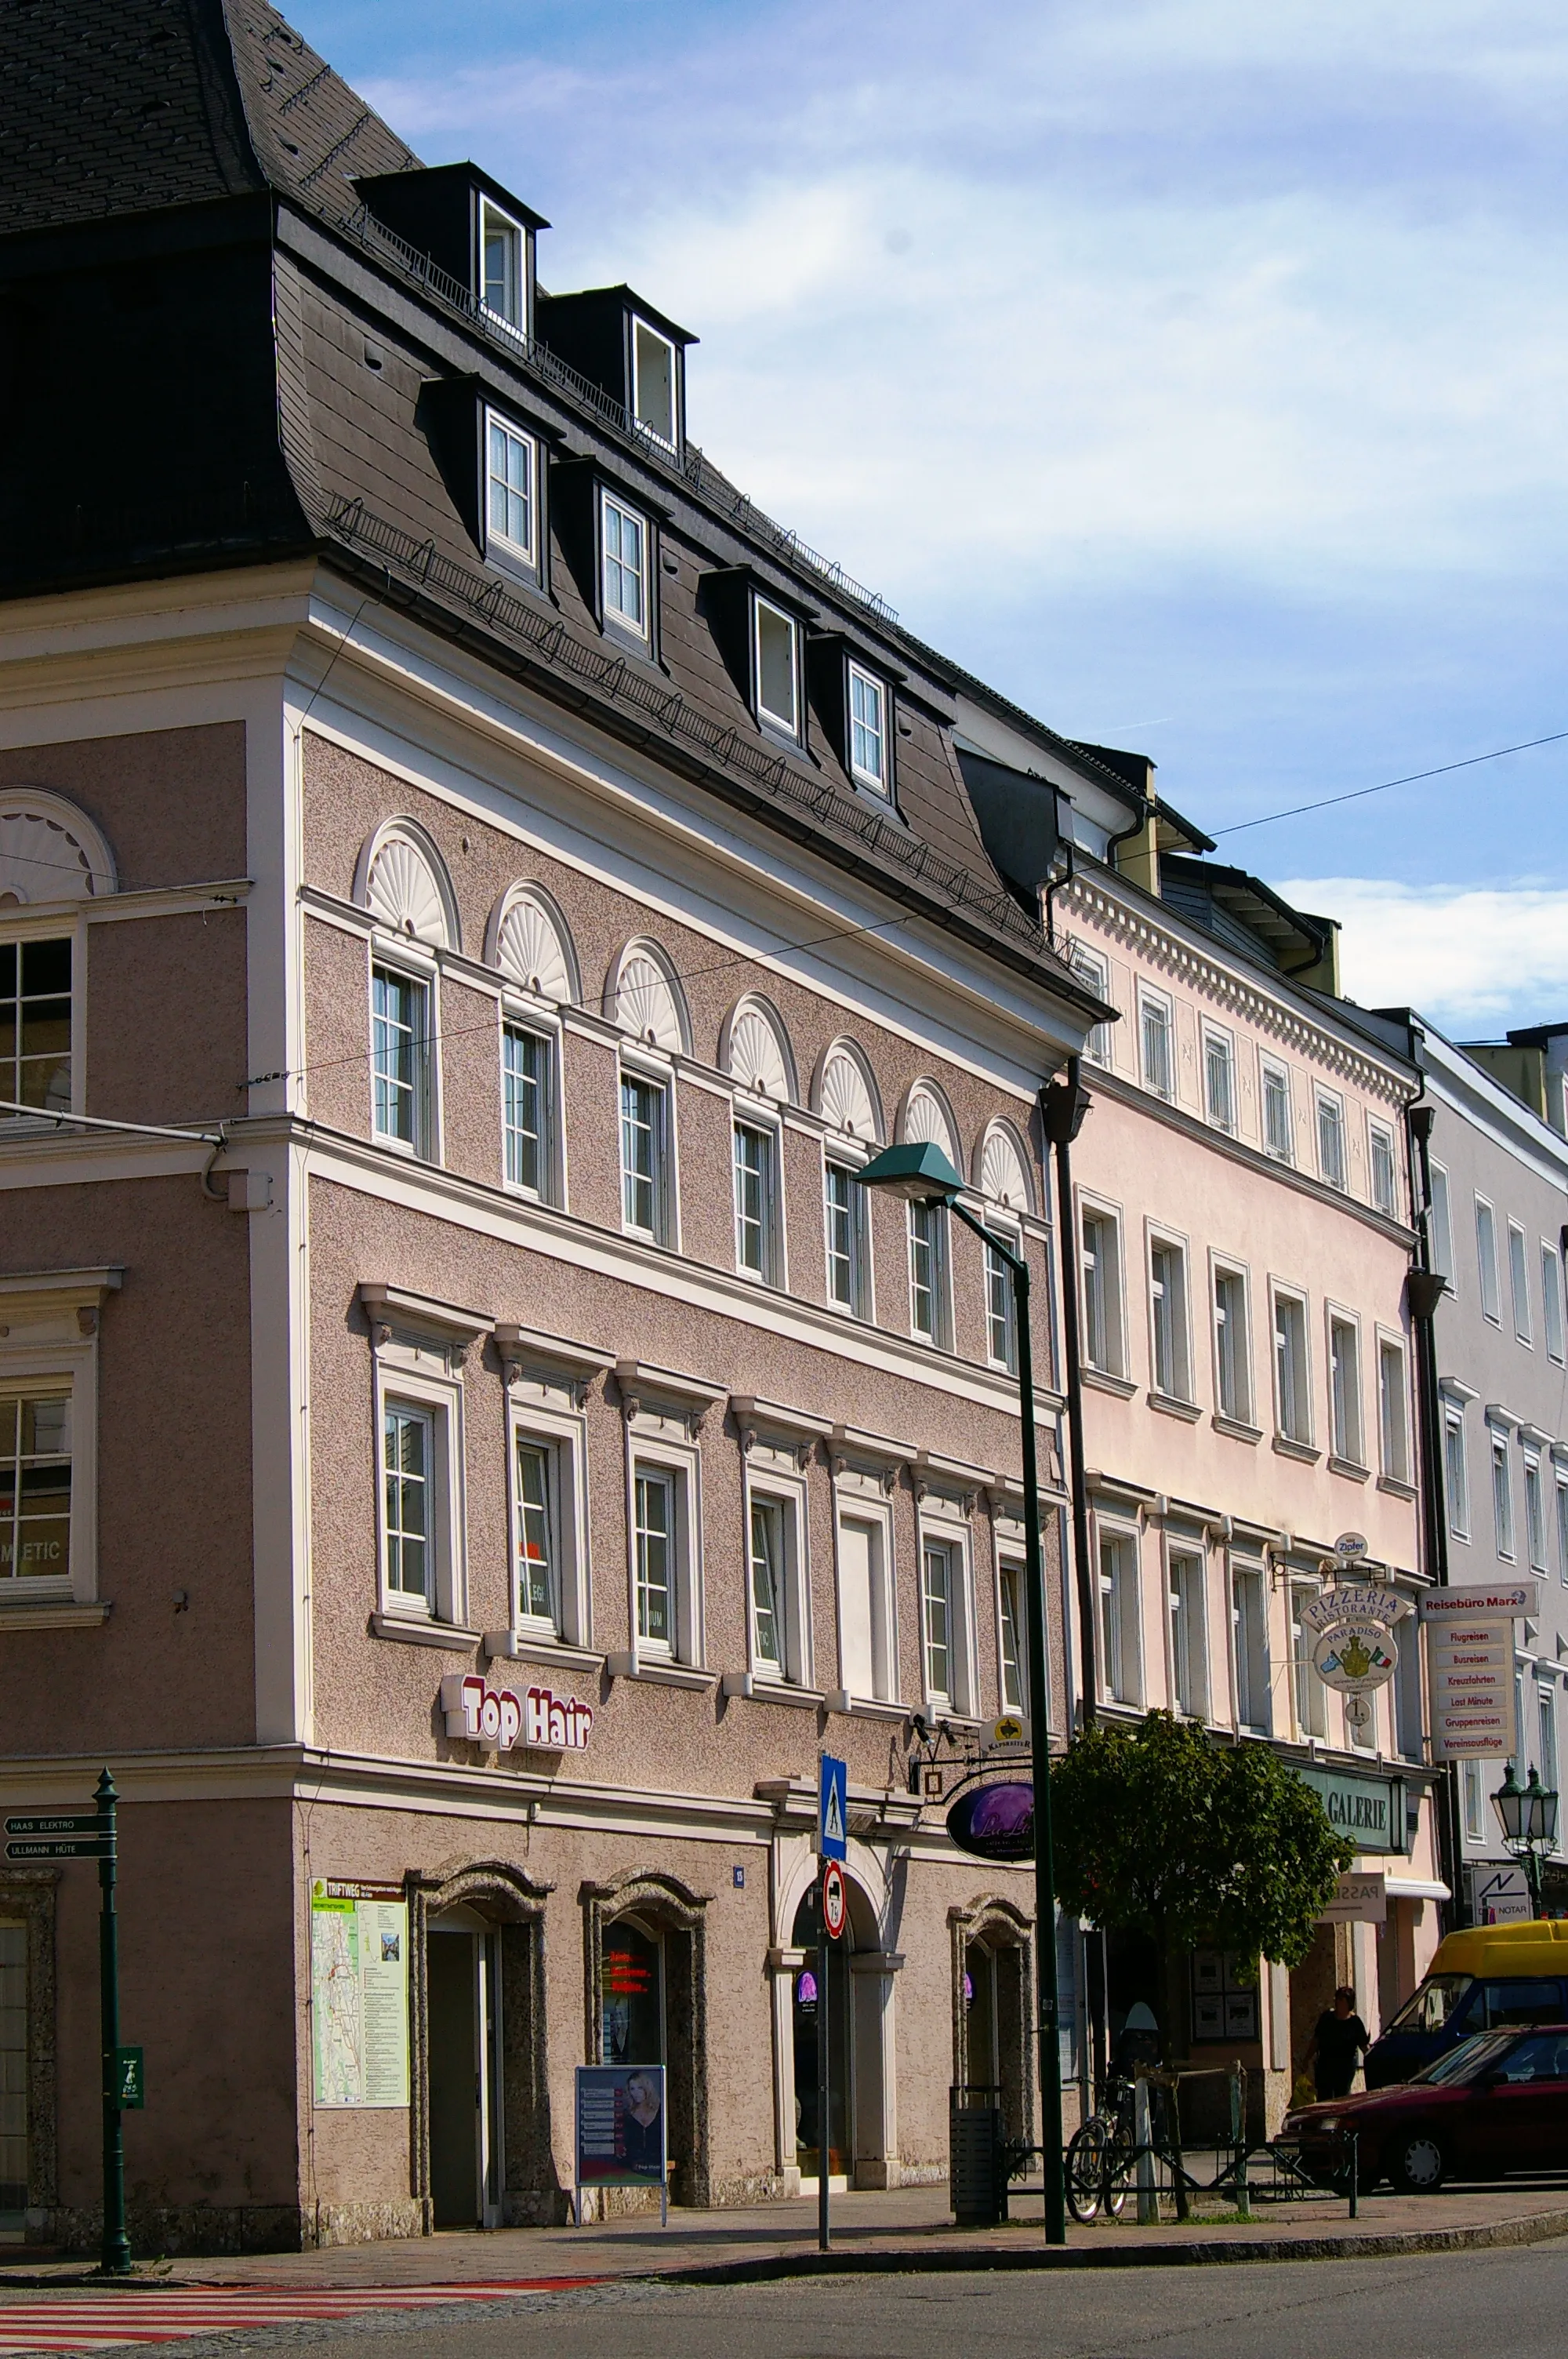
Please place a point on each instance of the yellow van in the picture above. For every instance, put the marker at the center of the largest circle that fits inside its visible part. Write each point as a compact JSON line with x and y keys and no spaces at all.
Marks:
{"x":1484,"y":1975}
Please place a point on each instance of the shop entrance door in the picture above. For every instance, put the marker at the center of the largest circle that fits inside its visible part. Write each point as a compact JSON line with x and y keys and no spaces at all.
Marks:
{"x":809,"y":2032}
{"x":13,"y":2080}
{"x":462,"y":1984}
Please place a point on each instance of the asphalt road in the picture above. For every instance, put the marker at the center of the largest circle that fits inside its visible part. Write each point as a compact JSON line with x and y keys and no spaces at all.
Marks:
{"x":1502,"y":2305}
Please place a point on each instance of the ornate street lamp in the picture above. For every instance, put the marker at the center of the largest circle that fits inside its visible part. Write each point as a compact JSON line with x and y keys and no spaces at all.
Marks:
{"x":1528,"y":1815}
{"x":923,"y":1175}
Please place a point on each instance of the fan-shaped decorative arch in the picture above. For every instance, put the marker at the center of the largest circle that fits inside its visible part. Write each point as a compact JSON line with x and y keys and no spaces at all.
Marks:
{"x":927,"y":1121}
{"x":1002,"y":1168}
{"x":645,"y":1000}
{"x":755,"y":1051}
{"x":846,"y":1094}
{"x":403,"y":882}
{"x":528,"y":939}
{"x":50,"y":850}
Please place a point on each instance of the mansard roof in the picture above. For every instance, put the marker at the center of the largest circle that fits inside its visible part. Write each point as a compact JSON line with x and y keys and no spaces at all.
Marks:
{"x":280,"y":399}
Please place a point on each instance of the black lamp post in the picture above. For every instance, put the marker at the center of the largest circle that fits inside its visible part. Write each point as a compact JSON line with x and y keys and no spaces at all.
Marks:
{"x":1528,"y":1815}
{"x":923,"y":1175}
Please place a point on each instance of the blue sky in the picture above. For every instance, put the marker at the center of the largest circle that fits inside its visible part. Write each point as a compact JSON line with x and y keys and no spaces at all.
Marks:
{"x":1194,"y":371}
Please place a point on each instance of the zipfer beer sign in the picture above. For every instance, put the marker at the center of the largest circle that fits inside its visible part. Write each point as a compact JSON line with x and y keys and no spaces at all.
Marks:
{"x":537,"y":1721}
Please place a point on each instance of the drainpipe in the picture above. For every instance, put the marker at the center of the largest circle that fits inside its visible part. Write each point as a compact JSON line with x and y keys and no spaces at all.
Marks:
{"x":1064,"y":1103}
{"x":1425,"y":1289}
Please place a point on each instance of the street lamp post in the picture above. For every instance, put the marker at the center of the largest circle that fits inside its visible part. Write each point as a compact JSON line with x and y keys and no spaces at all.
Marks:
{"x":923,"y":1175}
{"x":1528,"y":1815}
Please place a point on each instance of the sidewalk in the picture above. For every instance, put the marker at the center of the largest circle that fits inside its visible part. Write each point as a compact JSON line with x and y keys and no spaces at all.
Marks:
{"x":908,"y":2229}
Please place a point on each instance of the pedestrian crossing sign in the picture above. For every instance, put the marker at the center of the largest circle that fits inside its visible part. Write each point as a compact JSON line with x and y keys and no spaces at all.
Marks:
{"x":832,"y":1809}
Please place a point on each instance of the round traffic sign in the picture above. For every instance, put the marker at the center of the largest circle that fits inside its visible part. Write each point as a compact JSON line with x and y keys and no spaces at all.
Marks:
{"x":835,"y":1899}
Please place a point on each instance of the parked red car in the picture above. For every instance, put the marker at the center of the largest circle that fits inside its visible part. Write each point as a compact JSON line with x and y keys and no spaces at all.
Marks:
{"x":1498,"y":2103}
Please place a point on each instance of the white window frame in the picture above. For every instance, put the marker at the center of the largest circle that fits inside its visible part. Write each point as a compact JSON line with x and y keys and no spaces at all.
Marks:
{"x":999,"y":1285}
{"x":1236,"y":1274}
{"x":1554,"y":1329}
{"x":652,"y":1448}
{"x":1010,"y":1566}
{"x":939,"y":1243}
{"x":1455,"y":1456}
{"x":1560,"y":1486}
{"x":1177,"y":1316}
{"x":772,"y":1479}
{"x":1186,"y":1625}
{"x":516,"y":1016}
{"x":1391,"y":1350}
{"x":19,"y":927}
{"x":649,"y":1072}
{"x":1113,"y":1320}
{"x":526,"y":551}
{"x":1380,"y":1136}
{"x":420,"y":1374}
{"x":1160,"y":1003}
{"x":616,"y":617}
{"x":861,"y":1303}
{"x":1330,"y":1103}
{"x":1309,"y":1697}
{"x":1118,"y":1610}
{"x":944,"y":1525}
{"x":1271,"y":1070}
{"x":1501,"y":1461}
{"x":1546,"y":1742}
{"x":1474,"y":1802}
{"x":858,"y":1498}
{"x":1280,"y":1292}
{"x":1487,"y":1260}
{"x":1441,"y":1221}
{"x":424,"y":976}
{"x":1251,"y":1664}
{"x":1346,"y":1405}
{"x":746,"y":1113}
{"x":50,"y":1346}
{"x":783,"y":724}
{"x":489,"y":210}
{"x":544,"y":1413}
{"x":645,"y":329}
{"x":1094,"y":968}
{"x":876,"y":780}
{"x":1215,"y":1039}
{"x":1519,"y":1284}
{"x":1534,"y":1512}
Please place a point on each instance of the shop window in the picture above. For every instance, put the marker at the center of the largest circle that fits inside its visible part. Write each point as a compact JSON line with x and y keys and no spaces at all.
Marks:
{"x":1224,"y":1996}
{"x":632,"y":1994}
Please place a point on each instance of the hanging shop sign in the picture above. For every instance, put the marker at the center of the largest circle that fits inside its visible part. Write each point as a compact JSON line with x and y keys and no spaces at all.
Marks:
{"x":1357,"y":1657}
{"x":1354,"y":1601}
{"x":1360,"y":1899}
{"x":359,"y":1993}
{"x":537,"y":1721}
{"x":1470,"y":1667}
{"x":1368,"y":1812}
{"x":1490,"y":1601}
{"x":994,"y":1823}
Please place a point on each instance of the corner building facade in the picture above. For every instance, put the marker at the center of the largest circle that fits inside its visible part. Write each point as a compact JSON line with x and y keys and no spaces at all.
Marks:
{"x":472,"y":891}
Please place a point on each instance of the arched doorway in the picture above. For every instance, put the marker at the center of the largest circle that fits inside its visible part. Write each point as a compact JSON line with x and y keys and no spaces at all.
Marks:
{"x":812,"y":2023}
{"x":462,"y":1972}
{"x":648,"y":2004}
{"x":992,"y":2047}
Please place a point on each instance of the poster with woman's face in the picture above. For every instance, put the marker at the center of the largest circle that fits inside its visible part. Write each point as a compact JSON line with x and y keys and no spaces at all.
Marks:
{"x":621,"y":2125}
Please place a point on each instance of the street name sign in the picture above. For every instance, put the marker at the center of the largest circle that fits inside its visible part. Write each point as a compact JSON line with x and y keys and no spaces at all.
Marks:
{"x":56,"y":1823}
{"x":62,"y":1847}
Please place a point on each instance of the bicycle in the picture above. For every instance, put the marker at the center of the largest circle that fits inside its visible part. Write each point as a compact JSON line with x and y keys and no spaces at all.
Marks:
{"x":1102,"y":2155}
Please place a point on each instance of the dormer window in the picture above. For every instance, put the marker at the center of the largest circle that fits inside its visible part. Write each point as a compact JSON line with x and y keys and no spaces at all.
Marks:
{"x":624,"y":542}
{"x":653,"y":383}
{"x":501,"y":253}
{"x":868,"y":730}
{"x":510,"y":476}
{"x":775,"y":643}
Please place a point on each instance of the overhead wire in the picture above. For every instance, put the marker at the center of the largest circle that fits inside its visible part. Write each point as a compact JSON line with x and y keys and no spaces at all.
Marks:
{"x":1358,"y":794}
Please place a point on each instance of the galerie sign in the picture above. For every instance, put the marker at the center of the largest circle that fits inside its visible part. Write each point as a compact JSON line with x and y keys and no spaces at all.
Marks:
{"x":537,"y":1721}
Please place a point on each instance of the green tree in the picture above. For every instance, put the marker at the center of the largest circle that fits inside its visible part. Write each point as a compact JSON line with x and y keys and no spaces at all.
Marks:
{"x":1159,"y":1832}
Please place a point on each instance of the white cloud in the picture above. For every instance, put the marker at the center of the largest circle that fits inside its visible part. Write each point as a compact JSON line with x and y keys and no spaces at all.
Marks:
{"x":1474,"y":961}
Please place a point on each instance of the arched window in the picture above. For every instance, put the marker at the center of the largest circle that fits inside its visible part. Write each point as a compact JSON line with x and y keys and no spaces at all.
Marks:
{"x":403,"y":882}
{"x":529,"y":941}
{"x":50,"y":850}
{"x":927,"y":1121}
{"x":1002,"y":1170}
{"x":645,"y":1001}
{"x":846,"y":1094}
{"x":755,"y":1050}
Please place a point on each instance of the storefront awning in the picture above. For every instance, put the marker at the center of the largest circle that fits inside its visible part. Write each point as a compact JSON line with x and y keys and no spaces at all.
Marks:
{"x":1414,"y":1888}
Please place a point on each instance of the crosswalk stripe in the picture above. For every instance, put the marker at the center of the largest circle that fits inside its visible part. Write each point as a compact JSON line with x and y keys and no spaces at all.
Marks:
{"x":107,"y":2322}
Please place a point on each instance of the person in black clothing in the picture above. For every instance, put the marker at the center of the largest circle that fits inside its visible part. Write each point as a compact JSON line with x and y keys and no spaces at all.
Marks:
{"x":1338,"y":2046}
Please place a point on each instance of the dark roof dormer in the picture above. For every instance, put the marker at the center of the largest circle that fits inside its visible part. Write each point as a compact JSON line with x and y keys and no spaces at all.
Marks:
{"x":629,"y":351}
{"x":474,"y":231}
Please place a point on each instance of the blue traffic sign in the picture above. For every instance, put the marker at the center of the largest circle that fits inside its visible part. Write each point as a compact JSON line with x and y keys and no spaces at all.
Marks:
{"x":833,"y":1808}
